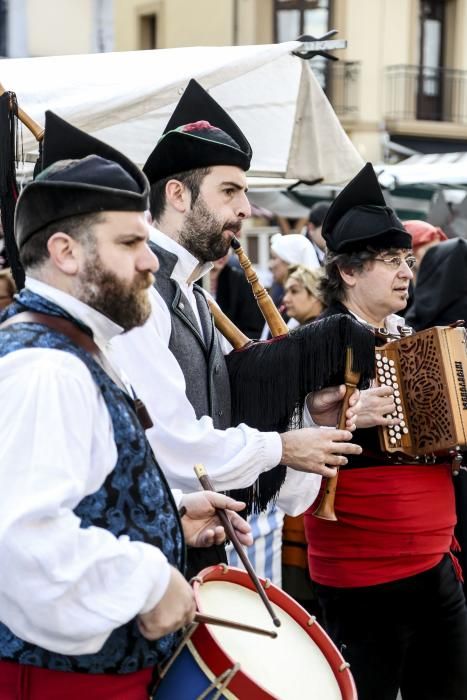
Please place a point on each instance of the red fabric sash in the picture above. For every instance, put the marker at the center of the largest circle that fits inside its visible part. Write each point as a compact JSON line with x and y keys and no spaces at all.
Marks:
{"x":393,"y":522}
{"x":19,"y":682}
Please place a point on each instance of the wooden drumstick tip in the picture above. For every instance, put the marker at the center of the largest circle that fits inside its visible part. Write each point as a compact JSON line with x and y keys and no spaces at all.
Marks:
{"x":200,"y":470}
{"x":200,"y":618}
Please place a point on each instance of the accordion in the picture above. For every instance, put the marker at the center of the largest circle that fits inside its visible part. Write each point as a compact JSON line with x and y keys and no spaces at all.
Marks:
{"x":428,"y":372}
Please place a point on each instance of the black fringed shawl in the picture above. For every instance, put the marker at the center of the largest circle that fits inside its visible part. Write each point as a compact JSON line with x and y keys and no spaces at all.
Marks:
{"x":270,"y":381}
{"x":8,"y":184}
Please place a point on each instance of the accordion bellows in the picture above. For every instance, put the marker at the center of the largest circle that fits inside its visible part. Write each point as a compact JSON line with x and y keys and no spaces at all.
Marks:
{"x":428,"y":371}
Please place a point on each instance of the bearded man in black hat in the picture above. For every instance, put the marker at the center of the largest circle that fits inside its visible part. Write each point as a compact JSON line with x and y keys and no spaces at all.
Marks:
{"x":91,"y":542}
{"x":384,"y":573}
{"x":198,"y":203}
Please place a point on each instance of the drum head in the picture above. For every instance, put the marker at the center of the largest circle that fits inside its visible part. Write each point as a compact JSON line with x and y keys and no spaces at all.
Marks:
{"x":301,"y":662}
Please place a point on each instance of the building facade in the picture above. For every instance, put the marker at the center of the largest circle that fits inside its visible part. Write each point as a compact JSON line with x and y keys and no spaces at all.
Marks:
{"x":400,"y":86}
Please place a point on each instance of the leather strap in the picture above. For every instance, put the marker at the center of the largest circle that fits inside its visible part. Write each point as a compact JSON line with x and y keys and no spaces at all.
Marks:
{"x":86,"y":342}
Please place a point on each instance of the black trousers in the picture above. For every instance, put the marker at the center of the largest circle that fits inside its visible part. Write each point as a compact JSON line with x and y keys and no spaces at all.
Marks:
{"x":199,"y":558}
{"x":409,"y":634}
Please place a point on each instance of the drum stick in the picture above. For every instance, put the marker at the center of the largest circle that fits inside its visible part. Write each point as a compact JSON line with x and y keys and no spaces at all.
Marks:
{"x":205,"y":482}
{"x":210,"y":620}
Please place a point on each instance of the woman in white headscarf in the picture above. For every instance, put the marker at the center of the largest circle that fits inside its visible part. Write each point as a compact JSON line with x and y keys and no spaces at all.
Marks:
{"x":291,"y":249}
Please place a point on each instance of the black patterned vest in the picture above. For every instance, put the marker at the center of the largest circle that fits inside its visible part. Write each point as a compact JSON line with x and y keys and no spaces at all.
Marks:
{"x":201,"y":359}
{"x":135,"y":500}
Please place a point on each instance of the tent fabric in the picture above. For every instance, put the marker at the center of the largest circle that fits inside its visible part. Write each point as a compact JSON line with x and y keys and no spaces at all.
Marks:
{"x":278,"y":203}
{"x":127,"y":98}
{"x":434,"y":168}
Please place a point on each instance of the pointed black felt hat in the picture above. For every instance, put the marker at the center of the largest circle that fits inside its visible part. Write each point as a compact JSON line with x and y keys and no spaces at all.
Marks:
{"x":359,"y":218}
{"x":78,"y":175}
{"x":199,"y":134}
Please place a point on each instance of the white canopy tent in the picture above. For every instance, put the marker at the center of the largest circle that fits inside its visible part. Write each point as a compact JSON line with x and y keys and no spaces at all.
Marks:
{"x":126,"y":99}
{"x":428,"y":168}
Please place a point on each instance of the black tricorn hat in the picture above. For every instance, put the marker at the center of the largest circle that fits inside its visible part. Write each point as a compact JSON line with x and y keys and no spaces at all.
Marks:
{"x":199,"y":134}
{"x":359,"y":218}
{"x":81,"y":175}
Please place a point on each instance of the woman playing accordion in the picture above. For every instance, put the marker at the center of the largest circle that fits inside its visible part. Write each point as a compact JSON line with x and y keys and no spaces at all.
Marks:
{"x":385,"y":577}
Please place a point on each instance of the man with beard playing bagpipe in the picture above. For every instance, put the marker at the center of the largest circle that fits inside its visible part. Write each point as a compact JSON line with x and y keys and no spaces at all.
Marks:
{"x":198,"y":201}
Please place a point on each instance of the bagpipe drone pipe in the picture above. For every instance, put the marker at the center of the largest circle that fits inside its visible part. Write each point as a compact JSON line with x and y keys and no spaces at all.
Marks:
{"x":271,"y":379}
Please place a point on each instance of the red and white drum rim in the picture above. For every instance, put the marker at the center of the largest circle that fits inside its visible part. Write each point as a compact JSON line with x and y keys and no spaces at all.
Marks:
{"x":217,"y":660}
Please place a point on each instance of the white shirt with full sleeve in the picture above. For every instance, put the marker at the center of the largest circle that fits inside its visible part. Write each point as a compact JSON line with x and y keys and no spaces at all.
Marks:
{"x":63,"y":587}
{"x":234,"y":457}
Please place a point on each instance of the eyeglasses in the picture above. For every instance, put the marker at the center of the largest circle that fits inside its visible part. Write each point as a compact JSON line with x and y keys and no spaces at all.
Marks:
{"x":396,"y":261}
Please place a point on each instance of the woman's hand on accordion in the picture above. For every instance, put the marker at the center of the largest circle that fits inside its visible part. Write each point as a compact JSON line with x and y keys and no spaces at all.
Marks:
{"x":376,"y":406}
{"x":324,"y":406}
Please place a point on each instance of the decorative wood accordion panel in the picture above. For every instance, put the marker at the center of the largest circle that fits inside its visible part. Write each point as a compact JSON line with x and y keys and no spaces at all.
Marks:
{"x":428,"y":371}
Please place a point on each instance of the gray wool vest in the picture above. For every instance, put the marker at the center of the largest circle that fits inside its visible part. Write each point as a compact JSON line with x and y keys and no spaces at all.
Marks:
{"x":202,"y":361}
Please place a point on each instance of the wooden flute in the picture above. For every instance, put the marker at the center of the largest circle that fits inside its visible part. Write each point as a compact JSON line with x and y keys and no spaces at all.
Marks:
{"x":270,"y":313}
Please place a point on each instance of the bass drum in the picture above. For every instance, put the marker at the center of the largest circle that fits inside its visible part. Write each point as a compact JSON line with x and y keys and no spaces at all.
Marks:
{"x":216,"y":662}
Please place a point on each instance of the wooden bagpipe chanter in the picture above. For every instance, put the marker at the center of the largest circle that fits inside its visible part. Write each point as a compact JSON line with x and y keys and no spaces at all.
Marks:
{"x":428,"y":373}
{"x":270,"y":380}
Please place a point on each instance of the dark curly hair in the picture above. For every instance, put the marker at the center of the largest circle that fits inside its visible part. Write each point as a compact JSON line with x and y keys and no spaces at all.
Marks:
{"x":332,"y":286}
{"x":192,"y":179}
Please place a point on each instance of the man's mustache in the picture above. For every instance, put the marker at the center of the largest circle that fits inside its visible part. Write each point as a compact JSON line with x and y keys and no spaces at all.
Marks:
{"x":234,"y":226}
{"x":144,"y":281}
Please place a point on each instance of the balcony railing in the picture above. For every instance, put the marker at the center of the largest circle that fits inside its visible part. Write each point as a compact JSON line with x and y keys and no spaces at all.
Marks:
{"x":341,"y":81}
{"x":419,"y":92}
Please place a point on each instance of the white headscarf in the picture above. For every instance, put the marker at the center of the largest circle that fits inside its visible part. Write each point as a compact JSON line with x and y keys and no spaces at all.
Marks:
{"x":294,"y":249}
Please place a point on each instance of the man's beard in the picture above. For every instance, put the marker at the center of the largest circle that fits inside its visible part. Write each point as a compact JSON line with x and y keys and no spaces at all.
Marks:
{"x":125,"y":303}
{"x":202,"y":233}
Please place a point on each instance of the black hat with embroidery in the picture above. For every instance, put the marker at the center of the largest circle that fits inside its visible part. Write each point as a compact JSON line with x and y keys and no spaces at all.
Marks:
{"x":80,"y":175}
{"x":199,"y":134}
{"x":360,"y":218}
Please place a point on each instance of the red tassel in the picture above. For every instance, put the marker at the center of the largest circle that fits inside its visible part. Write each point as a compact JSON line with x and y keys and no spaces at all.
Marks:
{"x":457,"y":567}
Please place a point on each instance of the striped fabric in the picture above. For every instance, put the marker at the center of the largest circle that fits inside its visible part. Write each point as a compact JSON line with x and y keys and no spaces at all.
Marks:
{"x":265,"y":553}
